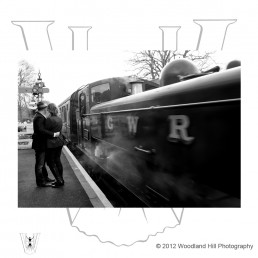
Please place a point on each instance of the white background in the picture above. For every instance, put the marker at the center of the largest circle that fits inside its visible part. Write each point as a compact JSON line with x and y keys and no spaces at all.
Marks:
{"x":119,"y":26}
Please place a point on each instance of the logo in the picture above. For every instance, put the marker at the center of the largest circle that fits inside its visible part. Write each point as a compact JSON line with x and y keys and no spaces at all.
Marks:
{"x":29,"y":242}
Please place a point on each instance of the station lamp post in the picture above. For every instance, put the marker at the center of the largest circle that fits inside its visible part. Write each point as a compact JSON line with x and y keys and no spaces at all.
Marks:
{"x":38,"y":90}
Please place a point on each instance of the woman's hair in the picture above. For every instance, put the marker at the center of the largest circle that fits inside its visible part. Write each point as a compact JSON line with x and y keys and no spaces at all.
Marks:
{"x":52,"y":108}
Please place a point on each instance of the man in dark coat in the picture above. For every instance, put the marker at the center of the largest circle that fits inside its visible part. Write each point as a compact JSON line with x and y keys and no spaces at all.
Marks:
{"x":39,"y":145}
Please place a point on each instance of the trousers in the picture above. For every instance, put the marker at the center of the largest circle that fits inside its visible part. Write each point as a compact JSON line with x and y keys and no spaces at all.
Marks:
{"x":54,"y":162}
{"x":40,"y":168}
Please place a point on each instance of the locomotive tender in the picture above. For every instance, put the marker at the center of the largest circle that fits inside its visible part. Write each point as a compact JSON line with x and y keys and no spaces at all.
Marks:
{"x":172,"y":146}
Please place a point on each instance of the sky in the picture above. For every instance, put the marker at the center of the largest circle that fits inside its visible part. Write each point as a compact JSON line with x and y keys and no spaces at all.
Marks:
{"x":66,"y":73}
{"x":63,"y":75}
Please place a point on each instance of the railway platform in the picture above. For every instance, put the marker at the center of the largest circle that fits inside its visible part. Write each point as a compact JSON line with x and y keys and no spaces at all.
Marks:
{"x":79,"y":189}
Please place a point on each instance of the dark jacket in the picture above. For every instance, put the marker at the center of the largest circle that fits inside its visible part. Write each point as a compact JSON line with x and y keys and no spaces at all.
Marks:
{"x":54,"y":124}
{"x":40,"y":132}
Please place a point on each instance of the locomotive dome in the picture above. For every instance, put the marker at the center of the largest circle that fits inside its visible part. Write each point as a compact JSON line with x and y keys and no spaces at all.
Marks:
{"x":233,"y":64}
{"x":172,"y":71}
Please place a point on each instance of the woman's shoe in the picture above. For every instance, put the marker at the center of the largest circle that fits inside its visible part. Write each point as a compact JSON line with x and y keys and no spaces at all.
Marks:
{"x":57,"y":184}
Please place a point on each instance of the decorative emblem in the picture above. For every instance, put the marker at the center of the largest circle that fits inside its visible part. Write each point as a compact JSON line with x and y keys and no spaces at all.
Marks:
{"x":29,"y":242}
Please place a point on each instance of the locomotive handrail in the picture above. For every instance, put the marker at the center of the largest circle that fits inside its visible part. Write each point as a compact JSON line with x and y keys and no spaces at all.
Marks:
{"x":139,"y":148}
{"x":165,"y":107}
{"x":192,"y":76}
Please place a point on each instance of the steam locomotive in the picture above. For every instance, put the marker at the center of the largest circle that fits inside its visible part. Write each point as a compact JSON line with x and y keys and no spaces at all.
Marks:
{"x":176,"y":144}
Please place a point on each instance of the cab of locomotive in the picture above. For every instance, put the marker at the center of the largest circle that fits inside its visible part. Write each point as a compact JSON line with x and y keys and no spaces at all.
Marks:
{"x":110,"y":91}
{"x":116,"y":88}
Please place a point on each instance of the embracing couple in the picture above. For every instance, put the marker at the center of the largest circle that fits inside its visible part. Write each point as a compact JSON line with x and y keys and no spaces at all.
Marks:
{"x":48,"y":143}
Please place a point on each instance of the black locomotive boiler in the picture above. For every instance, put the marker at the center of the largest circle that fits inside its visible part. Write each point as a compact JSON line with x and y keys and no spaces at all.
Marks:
{"x":176,"y":145}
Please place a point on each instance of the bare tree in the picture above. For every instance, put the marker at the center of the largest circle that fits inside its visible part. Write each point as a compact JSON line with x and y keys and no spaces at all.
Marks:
{"x":26,"y":78}
{"x":149,"y":63}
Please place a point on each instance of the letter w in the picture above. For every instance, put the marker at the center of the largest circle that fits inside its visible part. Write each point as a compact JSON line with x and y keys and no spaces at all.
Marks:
{"x":132,"y":124}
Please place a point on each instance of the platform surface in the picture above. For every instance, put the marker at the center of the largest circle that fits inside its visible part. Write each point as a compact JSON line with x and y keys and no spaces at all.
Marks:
{"x":30,"y":195}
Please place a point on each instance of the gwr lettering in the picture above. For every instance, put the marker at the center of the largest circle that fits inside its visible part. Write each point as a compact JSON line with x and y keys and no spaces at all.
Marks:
{"x":110,"y":123}
{"x":178,"y":129}
{"x":132,"y":124}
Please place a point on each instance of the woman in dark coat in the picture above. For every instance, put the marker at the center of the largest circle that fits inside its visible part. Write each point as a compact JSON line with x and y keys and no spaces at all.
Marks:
{"x":54,"y":145}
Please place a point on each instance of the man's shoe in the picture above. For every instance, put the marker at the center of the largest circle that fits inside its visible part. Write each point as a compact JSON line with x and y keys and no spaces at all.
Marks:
{"x":49,"y":180}
{"x":45,"y":184}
